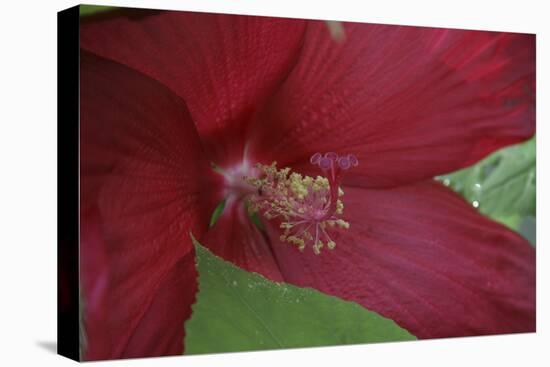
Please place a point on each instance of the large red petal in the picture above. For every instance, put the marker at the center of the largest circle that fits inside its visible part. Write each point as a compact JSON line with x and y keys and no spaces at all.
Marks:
{"x":423,"y":257}
{"x":223,"y":66}
{"x":236,"y":238}
{"x":409,"y":102}
{"x":160,"y":332}
{"x":144,"y":187}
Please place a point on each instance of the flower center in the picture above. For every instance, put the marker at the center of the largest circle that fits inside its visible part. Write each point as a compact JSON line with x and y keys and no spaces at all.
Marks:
{"x":308,"y":207}
{"x":234,"y":184}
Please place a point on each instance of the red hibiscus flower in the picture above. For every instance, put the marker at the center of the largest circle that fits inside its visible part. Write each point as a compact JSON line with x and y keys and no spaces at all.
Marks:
{"x":164,"y":95}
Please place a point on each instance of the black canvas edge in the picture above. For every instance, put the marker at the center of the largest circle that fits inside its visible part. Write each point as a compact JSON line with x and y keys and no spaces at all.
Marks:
{"x":68,"y":305}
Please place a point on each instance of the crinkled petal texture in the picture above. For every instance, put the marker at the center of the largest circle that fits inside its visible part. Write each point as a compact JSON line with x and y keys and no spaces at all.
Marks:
{"x":422,"y":256}
{"x":223,"y":66}
{"x":143,"y":176}
{"x":236,"y":238}
{"x":409,"y":102}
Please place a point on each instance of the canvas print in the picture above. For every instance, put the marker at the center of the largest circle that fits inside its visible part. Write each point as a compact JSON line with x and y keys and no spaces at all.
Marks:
{"x":253,"y":183}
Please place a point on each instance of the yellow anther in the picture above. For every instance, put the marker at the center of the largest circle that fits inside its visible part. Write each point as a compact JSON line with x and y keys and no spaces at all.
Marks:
{"x":320,"y":183}
{"x":296,"y":241}
{"x":296,"y":177}
{"x":339,"y":207}
{"x":317,"y":247}
{"x":342,"y":223}
{"x":302,"y":203}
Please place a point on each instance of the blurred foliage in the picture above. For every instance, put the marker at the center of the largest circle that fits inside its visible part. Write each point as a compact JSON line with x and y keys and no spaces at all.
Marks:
{"x":502,"y":186}
{"x":93,"y":9}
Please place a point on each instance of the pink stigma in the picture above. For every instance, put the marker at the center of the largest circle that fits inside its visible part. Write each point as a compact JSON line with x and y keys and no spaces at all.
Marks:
{"x":333,"y":162}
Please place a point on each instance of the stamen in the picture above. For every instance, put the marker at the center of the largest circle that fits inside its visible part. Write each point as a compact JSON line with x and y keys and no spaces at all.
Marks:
{"x":306,"y":206}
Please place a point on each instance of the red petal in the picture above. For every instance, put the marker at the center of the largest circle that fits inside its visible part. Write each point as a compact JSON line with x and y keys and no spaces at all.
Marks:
{"x":409,"y":102}
{"x":160,"y":331}
{"x":142,"y":167}
{"x":423,"y":257}
{"x":223,"y":66}
{"x":235,"y":238}
{"x":94,"y":280}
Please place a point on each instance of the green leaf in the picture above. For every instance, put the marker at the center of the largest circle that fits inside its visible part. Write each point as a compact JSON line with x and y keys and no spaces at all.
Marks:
{"x":217,"y":213}
{"x":241,"y":311}
{"x":254,"y":217}
{"x":93,"y":9}
{"x":502,"y":186}
{"x":527,"y":229}
{"x":511,"y":221}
